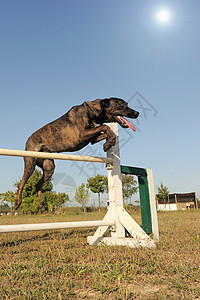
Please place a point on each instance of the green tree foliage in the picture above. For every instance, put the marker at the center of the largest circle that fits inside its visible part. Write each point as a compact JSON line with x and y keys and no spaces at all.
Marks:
{"x":98,"y":185}
{"x":8,"y":197}
{"x":163,"y":193}
{"x":4,"y":208}
{"x":129,"y":186}
{"x":82,"y":196}
{"x":52,"y":200}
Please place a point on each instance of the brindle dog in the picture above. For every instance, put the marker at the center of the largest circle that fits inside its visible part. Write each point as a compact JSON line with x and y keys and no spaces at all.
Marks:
{"x":81,"y":125}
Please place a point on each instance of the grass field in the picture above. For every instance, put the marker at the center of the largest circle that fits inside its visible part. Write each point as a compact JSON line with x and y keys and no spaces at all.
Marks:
{"x":60,"y":264}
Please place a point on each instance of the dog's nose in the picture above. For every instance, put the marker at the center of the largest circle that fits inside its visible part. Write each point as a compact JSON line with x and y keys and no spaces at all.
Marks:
{"x":136,"y":114}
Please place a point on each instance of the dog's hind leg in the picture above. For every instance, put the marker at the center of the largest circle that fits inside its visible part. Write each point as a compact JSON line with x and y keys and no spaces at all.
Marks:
{"x":48,"y":167}
{"x":29,"y":167}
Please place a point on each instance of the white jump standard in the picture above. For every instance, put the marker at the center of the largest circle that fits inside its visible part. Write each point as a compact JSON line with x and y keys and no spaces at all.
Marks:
{"x":123,"y":221}
{"x":116,"y":222}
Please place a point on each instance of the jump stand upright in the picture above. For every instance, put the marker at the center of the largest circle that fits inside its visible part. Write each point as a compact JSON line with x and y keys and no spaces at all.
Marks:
{"x":124,"y":223}
{"x":117,"y":222}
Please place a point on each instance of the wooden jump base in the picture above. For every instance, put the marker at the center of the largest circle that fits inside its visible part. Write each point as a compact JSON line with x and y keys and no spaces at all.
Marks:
{"x":116,"y":221}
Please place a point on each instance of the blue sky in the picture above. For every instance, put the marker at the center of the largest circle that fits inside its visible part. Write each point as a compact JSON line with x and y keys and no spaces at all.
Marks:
{"x":56,"y":54}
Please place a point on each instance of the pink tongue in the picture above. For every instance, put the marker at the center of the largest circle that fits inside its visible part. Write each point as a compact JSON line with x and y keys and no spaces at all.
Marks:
{"x":129,"y":124}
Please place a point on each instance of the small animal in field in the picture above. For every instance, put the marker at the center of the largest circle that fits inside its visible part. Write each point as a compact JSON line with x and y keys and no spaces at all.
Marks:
{"x":81,"y":125}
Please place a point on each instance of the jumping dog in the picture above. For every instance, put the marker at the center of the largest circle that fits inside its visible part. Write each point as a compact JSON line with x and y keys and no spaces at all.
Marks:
{"x":81,"y":125}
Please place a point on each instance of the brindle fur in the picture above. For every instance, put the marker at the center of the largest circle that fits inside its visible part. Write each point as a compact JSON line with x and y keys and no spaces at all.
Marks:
{"x":81,"y":125}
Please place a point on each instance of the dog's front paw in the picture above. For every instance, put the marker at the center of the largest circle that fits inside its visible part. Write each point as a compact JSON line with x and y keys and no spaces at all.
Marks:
{"x":106,"y":146}
{"x":110,"y":140}
{"x":113,"y":140}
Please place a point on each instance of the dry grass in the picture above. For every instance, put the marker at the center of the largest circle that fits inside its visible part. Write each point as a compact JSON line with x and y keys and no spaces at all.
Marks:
{"x":60,"y":264}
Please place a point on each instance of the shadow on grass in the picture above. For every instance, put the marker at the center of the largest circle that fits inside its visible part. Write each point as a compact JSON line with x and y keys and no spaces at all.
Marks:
{"x":51,"y":235}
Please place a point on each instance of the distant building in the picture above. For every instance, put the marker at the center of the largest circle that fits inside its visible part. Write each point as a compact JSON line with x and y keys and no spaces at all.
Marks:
{"x":177,"y":202}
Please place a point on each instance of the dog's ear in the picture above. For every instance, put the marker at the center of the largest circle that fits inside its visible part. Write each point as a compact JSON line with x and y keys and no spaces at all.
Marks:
{"x":105,"y":103}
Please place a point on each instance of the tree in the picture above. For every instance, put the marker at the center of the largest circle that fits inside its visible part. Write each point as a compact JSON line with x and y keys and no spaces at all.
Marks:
{"x":9,"y":197}
{"x":4,"y":208}
{"x":53,"y":200}
{"x":82,"y":196}
{"x":29,"y":204}
{"x":129,"y":186}
{"x":163,"y":193}
{"x":98,"y":185}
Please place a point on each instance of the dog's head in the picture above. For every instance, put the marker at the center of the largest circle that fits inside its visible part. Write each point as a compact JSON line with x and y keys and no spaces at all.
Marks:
{"x":111,"y":110}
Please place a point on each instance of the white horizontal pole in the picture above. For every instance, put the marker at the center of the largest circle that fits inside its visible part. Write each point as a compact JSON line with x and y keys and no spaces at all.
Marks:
{"x":50,"y":226}
{"x":21,"y":153}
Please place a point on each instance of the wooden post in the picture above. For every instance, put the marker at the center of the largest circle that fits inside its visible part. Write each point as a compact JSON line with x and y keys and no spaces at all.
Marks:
{"x":195,"y":200}
{"x":115,"y":185}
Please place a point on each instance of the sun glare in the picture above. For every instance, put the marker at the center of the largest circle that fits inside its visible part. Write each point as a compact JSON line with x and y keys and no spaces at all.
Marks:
{"x":163,"y":16}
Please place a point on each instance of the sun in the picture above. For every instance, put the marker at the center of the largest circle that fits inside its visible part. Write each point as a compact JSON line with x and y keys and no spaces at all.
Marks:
{"x":163,"y":16}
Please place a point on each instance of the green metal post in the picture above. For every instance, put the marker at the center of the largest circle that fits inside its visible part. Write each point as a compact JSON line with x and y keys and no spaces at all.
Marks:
{"x":144,"y":195}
